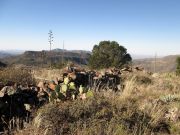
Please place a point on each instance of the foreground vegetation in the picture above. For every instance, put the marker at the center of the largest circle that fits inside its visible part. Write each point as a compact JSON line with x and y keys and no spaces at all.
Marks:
{"x":147,"y":105}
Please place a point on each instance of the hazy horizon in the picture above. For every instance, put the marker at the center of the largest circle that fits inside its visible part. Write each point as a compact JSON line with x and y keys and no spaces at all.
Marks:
{"x":143,"y":27}
{"x":134,"y":55}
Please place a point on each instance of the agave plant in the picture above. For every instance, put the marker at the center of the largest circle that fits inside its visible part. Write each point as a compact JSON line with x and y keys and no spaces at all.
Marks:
{"x":169,"y":98}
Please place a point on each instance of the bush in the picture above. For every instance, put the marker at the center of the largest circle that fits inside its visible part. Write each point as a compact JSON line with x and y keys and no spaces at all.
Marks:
{"x":143,"y":80}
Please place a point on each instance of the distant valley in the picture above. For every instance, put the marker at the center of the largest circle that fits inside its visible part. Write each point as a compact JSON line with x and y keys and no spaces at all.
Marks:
{"x":164,"y":64}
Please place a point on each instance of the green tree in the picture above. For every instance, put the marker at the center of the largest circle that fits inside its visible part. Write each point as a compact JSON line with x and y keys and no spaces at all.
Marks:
{"x":109,"y":54}
{"x":178,"y":66}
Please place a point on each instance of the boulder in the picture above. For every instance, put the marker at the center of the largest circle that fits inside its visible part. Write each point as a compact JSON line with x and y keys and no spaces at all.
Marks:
{"x":7,"y":90}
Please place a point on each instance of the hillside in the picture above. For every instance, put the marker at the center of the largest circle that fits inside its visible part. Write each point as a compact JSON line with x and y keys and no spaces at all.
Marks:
{"x":44,"y":58}
{"x":3,"y":54}
{"x":7,"y":53}
{"x":164,"y":64}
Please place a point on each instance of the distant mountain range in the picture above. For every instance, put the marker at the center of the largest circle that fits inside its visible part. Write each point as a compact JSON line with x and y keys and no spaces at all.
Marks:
{"x":7,"y":53}
{"x":74,"y":51}
{"x":138,"y":56}
{"x":36,"y":58}
{"x":3,"y":54}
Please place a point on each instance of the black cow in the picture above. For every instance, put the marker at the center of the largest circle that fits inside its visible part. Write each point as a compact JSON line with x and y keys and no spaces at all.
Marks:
{"x":106,"y":82}
{"x":13,"y":112}
{"x":81,"y":79}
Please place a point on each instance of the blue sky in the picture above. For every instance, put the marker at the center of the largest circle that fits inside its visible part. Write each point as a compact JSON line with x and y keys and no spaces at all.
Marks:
{"x":142,"y":26}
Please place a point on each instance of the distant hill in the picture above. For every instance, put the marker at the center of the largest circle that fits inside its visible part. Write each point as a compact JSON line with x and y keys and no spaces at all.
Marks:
{"x":136,"y":56}
{"x":3,"y":54}
{"x":40,"y":58}
{"x":7,"y":53}
{"x":164,"y":64}
{"x":72,"y":51}
{"x":56,"y":56}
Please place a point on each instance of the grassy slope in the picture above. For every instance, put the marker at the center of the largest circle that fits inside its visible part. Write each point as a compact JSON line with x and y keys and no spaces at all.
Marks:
{"x":147,"y":105}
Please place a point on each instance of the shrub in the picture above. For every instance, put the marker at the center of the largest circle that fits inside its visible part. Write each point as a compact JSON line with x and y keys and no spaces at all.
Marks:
{"x":143,"y":80}
{"x":178,"y":66}
{"x":169,"y":98}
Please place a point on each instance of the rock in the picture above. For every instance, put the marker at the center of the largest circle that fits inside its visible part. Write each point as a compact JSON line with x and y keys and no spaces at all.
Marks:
{"x":1,"y":94}
{"x":40,"y":84}
{"x":173,"y":114}
{"x":7,"y":90}
{"x":83,"y":96}
{"x":139,"y":68}
{"x":1,"y":85}
{"x":52,"y":86}
{"x":28,"y":107}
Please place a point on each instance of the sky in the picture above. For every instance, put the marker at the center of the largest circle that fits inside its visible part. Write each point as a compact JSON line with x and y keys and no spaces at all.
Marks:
{"x":144,"y":27}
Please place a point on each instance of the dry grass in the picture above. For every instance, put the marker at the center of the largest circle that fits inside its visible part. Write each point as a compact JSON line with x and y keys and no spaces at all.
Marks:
{"x":16,"y":75}
{"x":144,"y":107}
{"x":47,"y":74}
